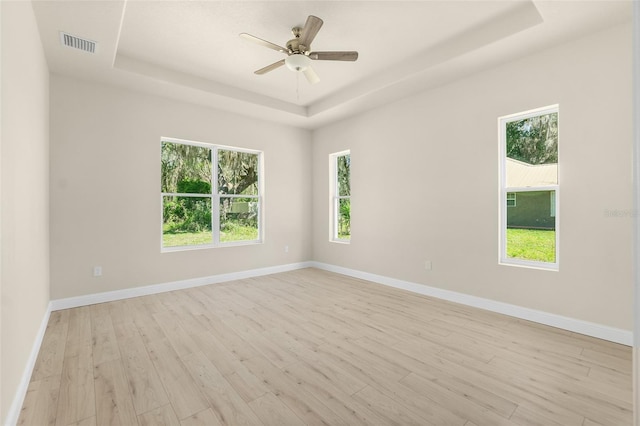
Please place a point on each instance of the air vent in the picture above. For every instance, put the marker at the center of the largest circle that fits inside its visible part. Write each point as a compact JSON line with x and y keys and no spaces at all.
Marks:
{"x":78,"y":43}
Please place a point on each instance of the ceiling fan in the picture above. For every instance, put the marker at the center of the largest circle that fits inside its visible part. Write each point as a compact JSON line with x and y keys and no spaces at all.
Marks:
{"x":298,"y":50}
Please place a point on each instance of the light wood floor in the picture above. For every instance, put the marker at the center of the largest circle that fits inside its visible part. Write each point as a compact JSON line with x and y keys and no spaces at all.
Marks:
{"x":311,"y":347}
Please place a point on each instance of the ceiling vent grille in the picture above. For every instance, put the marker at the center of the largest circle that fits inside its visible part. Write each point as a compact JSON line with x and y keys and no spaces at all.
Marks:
{"x":78,"y":43}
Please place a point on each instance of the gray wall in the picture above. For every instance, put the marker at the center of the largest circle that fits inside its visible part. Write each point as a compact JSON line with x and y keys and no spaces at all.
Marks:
{"x":425,"y":183}
{"x":24,"y":194}
{"x":105,"y":189}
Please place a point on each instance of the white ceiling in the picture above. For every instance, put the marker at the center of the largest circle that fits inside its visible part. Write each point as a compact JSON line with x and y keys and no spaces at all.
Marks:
{"x":191,"y":51}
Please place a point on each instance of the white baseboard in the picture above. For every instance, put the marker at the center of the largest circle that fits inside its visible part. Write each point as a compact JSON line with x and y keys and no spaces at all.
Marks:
{"x":109,"y":296}
{"x":18,"y":399}
{"x":600,"y":331}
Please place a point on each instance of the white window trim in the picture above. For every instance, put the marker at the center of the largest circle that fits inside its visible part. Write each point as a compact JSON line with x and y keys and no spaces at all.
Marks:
{"x":335,"y":198}
{"x":503,"y":190}
{"x":215,"y":198}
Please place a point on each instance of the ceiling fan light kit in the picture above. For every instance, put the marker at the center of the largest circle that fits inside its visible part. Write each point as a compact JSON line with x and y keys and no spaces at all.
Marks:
{"x":298,"y":51}
{"x":297,"y":62}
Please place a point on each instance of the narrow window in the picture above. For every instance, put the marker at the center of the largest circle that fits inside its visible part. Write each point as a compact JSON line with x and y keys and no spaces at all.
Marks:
{"x":210,"y":195}
{"x":529,"y":174}
{"x":340,"y":165}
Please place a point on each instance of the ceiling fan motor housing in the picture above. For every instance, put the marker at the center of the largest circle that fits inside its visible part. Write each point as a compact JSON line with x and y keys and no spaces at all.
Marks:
{"x":294,"y":46}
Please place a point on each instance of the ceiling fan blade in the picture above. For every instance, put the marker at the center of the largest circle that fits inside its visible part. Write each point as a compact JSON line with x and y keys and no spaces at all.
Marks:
{"x":334,"y":56}
{"x":270,"y":67}
{"x":311,"y":28}
{"x":264,"y":43}
{"x":311,"y":75}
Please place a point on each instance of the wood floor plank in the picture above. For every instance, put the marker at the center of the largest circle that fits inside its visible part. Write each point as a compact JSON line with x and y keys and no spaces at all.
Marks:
{"x":90,"y":421}
{"x":248,"y":386}
{"x":120,"y":311}
{"x":51,"y":355}
{"x":476,"y":391}
{"x":330,"y":394}
{"x":341,"y":378}
{"x":147,"y":326}
{"x":105,"y":346}
{"x":524,"y":416}
{"x":274,"y":412}
{"x":369,"y":369}
{"x":79,"y":331}
{"x":304,"y":404}
{"x":227,"y":405}
{"x":228,"y":337}
{"x":41,"y":402}
{"x":203,"y":418}
{"x":392,"y":411}
{"x":146,"y":388}
{"x":113,"y":400}
{"x":507,"y":384}
{"x":608,"y":409}
{"x":421,"y":404}
{"x":76,"y":400}
{"x":159,"y":416}
{"x":183,"y":393}
{"x":589,"y":422}
{"x":456,"y":402}
{"x":175,"y":333}
{"x":606,"y":360}
{"x":617,"y":379}
{"x":225,"y":361}
{"x":271,"y":350}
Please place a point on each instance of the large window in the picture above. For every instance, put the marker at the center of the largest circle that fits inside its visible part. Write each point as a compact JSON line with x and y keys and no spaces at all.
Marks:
{"x":210,"y":195}
{"x":340,"y":166}
{"x":529,"y":188}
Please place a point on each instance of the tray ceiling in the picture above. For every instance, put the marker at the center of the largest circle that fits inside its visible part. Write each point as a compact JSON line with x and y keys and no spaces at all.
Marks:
{"x":191,"y":51}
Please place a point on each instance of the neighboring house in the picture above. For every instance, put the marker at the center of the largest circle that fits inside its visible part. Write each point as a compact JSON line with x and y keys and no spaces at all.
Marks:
{"x":531,"y":209}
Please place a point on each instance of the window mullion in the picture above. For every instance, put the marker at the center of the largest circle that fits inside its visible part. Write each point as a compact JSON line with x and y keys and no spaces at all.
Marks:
{"x":337,"y":219}
{"x":215,"y":197}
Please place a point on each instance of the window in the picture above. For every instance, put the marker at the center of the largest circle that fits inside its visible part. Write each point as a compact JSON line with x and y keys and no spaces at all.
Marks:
{"x":529,"y":174}
{"x":340,"y":166}
{"x":211,"y":195}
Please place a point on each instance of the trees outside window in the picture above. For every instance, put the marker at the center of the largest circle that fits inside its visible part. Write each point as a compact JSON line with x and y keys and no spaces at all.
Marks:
{"x":529,"y":194}
{"x":340,"y":165}
{"x":205,"y":205}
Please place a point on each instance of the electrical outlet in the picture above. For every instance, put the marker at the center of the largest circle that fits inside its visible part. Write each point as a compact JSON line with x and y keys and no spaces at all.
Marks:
{"x":97,"y":271}
{"x":286,"y":249}
{"x":427,"y":265}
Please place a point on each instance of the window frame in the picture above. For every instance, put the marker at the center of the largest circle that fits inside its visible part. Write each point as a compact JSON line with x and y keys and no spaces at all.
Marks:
{"x":215,"y":197}
{"x":503,"y":259}
{"x":335,"y":197}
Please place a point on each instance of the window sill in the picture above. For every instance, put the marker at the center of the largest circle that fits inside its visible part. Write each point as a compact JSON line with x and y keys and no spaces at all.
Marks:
{"x":209,"y":246}
{"x":340,"y":241}
{"x":542,"y":266}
